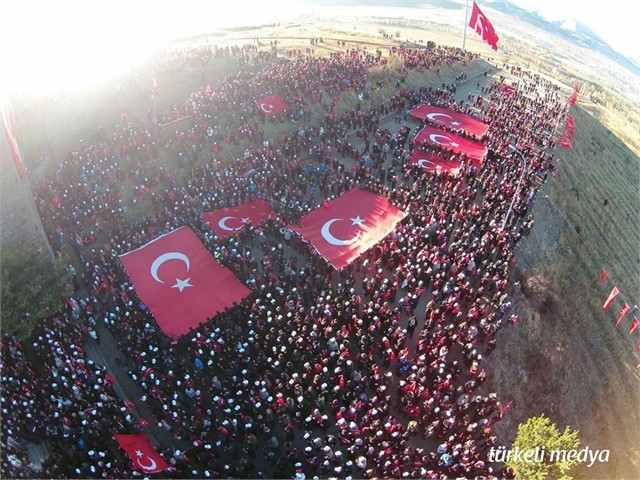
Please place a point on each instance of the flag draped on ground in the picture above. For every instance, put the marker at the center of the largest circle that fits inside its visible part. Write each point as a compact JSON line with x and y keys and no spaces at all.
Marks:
{"x":272,"y":105}
{"x":430,"y":163}
{"x":142,"y":453}
{"x":450,"y":119}
{"x":180,"y":282}
{"x":228,"y":221}
{"x":432,"y":136}
{"x":9,"y":127}
{"x":482,"y":26}
{"x":343,"y":228}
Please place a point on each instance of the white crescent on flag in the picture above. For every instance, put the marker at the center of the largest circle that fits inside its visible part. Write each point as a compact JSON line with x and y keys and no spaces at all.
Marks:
{"x":222,"y":223}
{"x":431,"y":116}
{"x":434,"y":138}
{"x":431,"y":166}
{"x":151,"y":467}
{"x":165,"y":257}
{"x":264,"y":108}
{"x":328,"y":236}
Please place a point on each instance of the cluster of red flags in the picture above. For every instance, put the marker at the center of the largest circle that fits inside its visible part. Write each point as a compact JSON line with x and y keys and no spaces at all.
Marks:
{"x":180,"y":282}
{"x":482,"y":26}
{"x":623,"y":310}
{"x":566,"y":137}
{"x":573,"y":99}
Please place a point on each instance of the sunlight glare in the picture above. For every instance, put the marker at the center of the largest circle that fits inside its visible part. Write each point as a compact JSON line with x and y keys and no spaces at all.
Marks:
{"x":60,"y":47}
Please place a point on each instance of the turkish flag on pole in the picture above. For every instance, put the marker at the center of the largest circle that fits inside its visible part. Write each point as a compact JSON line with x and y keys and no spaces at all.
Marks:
{"x":180,"y":282}
{"x":227,"y":221}
{"x":623,"y":312}
{"x":614,"y":293}
{"x":633,"y":326}
{"x":433,"y":136}
{"x":450,"y":119}
{"x":345,"y":227}
{"x":8,"y":125}
{"x":142,"y":453}
{"x":430,"y":163}
{"x":272,"y":105}
{"x":483,"y":27}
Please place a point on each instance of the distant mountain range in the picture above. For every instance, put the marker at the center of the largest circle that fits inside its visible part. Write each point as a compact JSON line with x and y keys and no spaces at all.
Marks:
{"x":575,"y":32}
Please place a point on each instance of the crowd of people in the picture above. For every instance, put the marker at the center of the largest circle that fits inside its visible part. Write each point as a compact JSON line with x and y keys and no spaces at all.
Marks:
{"x":375,"y":370}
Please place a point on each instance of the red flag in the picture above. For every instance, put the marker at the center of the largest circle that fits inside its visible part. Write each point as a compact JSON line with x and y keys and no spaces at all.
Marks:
{"x":348,"y":225}
{"x":450,"y":119}
{"x":272,"y":105}
{"x":142,"y":453}
{"x":481,"y":24}
{"x":633,"y":326}
{"x":614,"y":293}
{"x":430,"y":163}
{"x":8,"y":125}
{"x":109,"y":379}
{"x":433,"y":136}
{"x":603,"y":276}
{"x":623,"y":312}
{"x":227,"y":221}
{"x":180,"y":282}
{"x":506,"y":408}
{"x":509,"y":89}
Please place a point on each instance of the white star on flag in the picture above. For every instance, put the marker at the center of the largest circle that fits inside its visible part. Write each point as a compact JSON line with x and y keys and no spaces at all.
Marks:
{"x":138,"y":453}
{"x":245,"y":220}
{"x":182,"y":284}
{"x":455,"y":124}
{"x":357,"y":220}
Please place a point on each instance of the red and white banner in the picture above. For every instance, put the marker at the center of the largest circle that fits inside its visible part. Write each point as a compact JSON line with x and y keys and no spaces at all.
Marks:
{"x":9,"y":127}
{"x":432,"y":136}
{"x":343,"y":228}
{"x":481,"y":24}
{"x":450,"y":119}
{"x":272,"y":105}
{"x":614,"y":293}
{"x":623,"y":312}
{"x":227,"y":221}
{"x":180,"y":282}
{"x":142,"y":454}
{"x":431,"y":163}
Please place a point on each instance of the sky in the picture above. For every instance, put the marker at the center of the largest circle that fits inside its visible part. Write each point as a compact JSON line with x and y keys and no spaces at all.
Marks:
{"x":58,"y":45}
{"x":614,"y":21}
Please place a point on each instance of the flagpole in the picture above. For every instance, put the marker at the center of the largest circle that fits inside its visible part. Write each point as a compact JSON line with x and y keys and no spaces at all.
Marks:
{"x":466,"y":20}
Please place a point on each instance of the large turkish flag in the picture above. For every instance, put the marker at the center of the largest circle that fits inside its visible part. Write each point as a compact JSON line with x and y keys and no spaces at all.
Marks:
{"x":450,"y":119}
{"x":272,"y":105}
{"x":180,"y":282}
{"x":343,"y":228}
{"x":228,"y":221}
{"x":433,"y":136}
{"x":430,"y":163}
{"x":142,"y":453}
